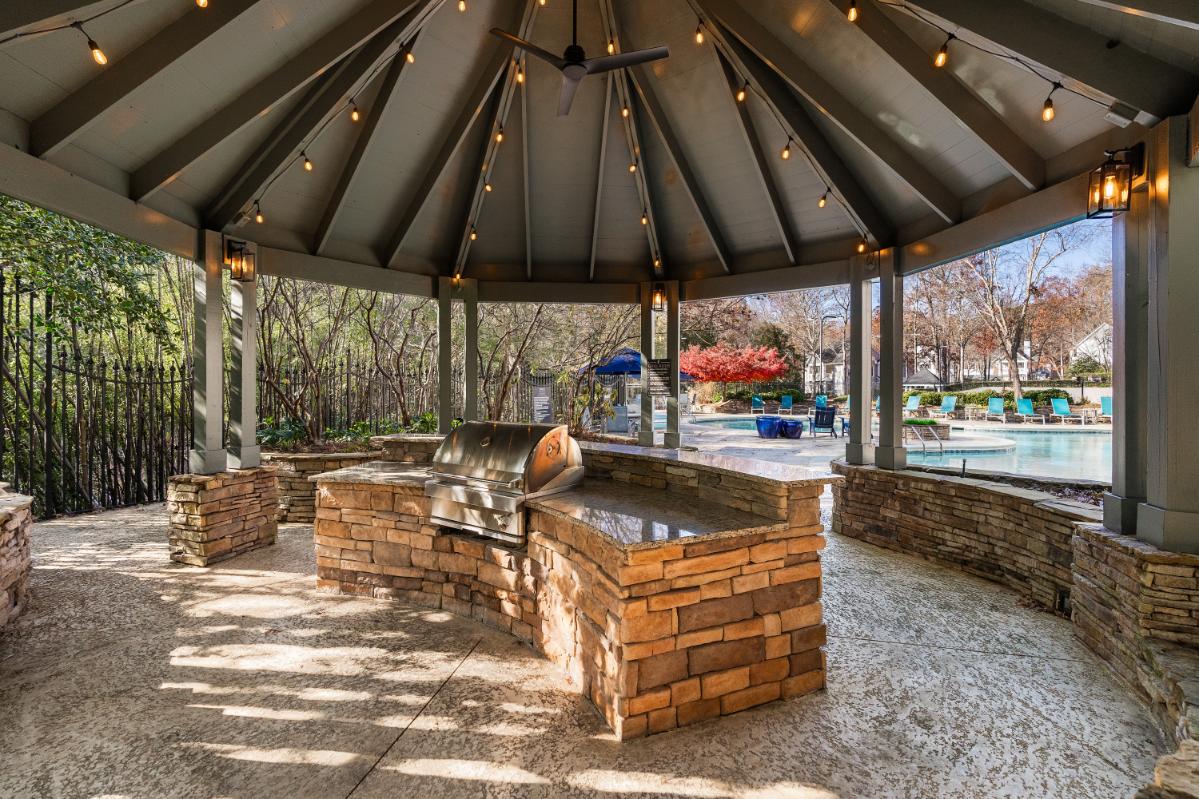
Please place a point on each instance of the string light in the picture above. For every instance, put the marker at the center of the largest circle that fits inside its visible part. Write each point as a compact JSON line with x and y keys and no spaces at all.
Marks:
{"x":786,"y":153}
{"x":520,"y":73}
{"x":853,"y":11}
{"x":657,"y":263}
{"x":624,"y":111}
{"x":942,"y":57}
{"x":462,"y":5}
{"x":487,"y":188}
{"x":861,"y":245}
{"x":1047,"y":112}
{"x":258,"y":217}
{"x":307,"y":163}
{"x":743,"y":92}
{"x":474,"y":234}
{"x":355,"y":115}
{"x":632,"y":167}
{"x":823,"y":201}
{"x":409,"y":57}
{"x":542,"y":2}
{"x":611,"y":46}
{"x":97,"y":54}
{"x":644,"y":218}
{"x":499,"y":134}
{"x":202,"y":3}
{"x":699,"y":32}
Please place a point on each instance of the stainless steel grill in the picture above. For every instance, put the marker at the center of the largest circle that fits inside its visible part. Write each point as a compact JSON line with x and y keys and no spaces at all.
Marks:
{"x":484,"y":472}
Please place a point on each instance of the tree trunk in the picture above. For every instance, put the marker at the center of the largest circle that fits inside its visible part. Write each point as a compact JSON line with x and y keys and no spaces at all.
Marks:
{"x":1013,"y":370}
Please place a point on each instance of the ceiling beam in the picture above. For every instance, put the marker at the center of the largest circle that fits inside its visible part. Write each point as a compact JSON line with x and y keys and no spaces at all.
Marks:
{"x":987,"y":126}
{"x":362,"y":143}
{"x":657,"y":115}
{"x":451,"y":141}
{"x":491,"y":147}
{"x":1145,"y":83}
{"x":1184,"y":13}
{"x":58,"y":126}
{"x":633,"y":138}
{"x":327,"y":95}
{"x":260,"y":98}
{"x":782,"y":221}
{"x":834,"y":105}
{"x":524,"y":174}
{"x":859,"y":204}
{"x":16,"y":15}
{"x":599,"y":175}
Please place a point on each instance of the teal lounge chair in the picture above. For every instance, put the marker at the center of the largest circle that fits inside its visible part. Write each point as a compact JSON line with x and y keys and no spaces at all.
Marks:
{"x":786,"y":405}
{"x":756,"y":405}
{"x":995,"y":408}
{"x":913,"y":406}
{"x":1025,"y":411}
{"x":948,"y":405}
{"x":1061,"y":410}
{"x":1105,"y":409}
{"x":822,"y":400}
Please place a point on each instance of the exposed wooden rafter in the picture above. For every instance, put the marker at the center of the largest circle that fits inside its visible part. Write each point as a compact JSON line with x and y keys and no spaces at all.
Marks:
{"x":834,"y":105}
{"x":859,"y":204}
{"x":452,"y":139}
{"x":362,"y":143}
{"x":786,"y":231}
{"x":59,"y":125}
{"x":524,"y":175}
{"x":599,"y":176}
{"x":1149,"y":85}
{"x":360,"y":27}
{"x":327,"y":95}
{"x":987,"y":126}
{"x":491,"y":146}
{"x":1184,"y":13}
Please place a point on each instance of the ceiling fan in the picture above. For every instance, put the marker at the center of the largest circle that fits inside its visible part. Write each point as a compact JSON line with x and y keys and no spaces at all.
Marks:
{"x":574,"y":63}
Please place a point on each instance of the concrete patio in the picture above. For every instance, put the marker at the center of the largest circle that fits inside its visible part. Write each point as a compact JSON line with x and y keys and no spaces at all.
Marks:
{"x":130,"y":676}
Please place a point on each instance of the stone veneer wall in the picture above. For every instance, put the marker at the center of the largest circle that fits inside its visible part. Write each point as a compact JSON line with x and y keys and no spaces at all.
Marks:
{"x":216,"y":516}
{"x":416,"y":448}
{"x":656,"y":638}
{"x":16,"y":518}
{"x":1015,"y":536}
{"x":297,"y":491}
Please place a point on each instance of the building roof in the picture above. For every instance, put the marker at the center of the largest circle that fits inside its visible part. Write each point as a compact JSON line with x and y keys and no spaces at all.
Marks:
{"x":204,"y":117}
{"x":922,"y":377}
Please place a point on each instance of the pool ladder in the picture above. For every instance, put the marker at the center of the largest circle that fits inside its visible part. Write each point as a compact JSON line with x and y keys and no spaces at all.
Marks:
{"x":919,"y":434}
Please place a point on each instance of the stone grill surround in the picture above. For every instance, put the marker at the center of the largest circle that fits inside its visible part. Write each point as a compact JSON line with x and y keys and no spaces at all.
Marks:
{"x":216,"y":516}
{"x":414,"y":448}
{"x":16,"y":520}
{"x":297,"y":492}
{"x":657,"y":635}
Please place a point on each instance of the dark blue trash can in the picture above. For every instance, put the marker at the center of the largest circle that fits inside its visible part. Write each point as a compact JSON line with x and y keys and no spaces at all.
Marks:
{"x":768,"y":426}
{"x":791,"y":428}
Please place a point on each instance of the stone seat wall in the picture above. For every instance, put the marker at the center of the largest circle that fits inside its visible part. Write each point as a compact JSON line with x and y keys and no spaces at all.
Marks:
{"x":297,"y":492}
{"x":16,"y":520}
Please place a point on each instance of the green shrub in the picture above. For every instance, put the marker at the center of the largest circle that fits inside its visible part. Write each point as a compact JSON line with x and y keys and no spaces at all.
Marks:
{"x":1043,"y":396}
{"x":920,"y":422}
{"x":278,"y":433}
{"x":744,"y":395}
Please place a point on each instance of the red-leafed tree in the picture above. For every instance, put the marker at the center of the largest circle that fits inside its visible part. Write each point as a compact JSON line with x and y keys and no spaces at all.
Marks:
{"x":725,"y":364}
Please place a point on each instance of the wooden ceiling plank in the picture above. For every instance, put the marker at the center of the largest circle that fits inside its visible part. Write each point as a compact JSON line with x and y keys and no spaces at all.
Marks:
{"x":599,"y":176}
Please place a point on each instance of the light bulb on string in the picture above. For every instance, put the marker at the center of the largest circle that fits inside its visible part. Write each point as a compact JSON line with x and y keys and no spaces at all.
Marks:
{"x":699,"y":32}
{"x":520,"y":73}
{"x":487,"y":187}
{"x":861,"y":245}
{"x":97,"y":54}
{"x":307,"y":162}
{"x":499,"y":134}
{"x":409,"y":57}
{"x":624,"y":111}
{"x":1047,"y":112}
{"x":462,"y":5}
{"x":743,"y":92}
{"x":644,"y":218}
{"x":942,"y":57}
{"x":611,"y":46}
{"x":201,"y":3}
{"x":474,"y":234}
{"x":823,"y":201}
{"x":258,"y":217}
{"x":852,"y":14}
{"x":355,"y":114}
{"x":786,"y":153}
{"x":632,"y":167}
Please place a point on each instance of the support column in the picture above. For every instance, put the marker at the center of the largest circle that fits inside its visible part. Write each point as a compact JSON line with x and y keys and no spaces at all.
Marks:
{"x":1169,"y":517}
{"x":645,"y":436}
{"x":469,"y":290}
{"x":673,"y":438}
{"x":445,"y":363}
{"x":1130,"y":359}
{"x":859,"y":450}
{"x":243,"y":452}
{"x":207,"y":455}
{"x":890,"y":454}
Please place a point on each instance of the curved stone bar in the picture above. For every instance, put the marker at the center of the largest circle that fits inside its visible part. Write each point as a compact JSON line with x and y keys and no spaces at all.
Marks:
{"x":671,"y":587}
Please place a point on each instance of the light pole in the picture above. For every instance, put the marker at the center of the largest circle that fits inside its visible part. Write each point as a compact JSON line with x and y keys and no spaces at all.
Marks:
{"x":820,"y":351}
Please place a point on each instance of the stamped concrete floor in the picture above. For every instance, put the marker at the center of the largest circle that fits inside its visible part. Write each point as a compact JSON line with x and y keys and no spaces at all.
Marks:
{"x":133,"y":677}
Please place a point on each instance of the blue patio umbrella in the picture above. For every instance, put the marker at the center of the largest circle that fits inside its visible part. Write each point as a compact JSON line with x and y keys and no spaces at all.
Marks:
{"x":627,"y":361}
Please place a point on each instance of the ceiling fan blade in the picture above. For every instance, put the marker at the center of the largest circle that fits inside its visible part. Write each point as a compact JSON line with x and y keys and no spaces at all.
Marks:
{"x":567,"y":96}
{"x":529,"y":47}
{"x":608,"y":63}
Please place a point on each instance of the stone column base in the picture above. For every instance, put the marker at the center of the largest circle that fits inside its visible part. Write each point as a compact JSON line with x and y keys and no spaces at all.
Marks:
{"x":216,"y":516}
{"x":15,"y":520}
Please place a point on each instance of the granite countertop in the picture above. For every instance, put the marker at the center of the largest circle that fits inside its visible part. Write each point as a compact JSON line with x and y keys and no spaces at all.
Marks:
{"x":376,"y":473}
{"x":748,"y":468}
{"x":636,"y":517}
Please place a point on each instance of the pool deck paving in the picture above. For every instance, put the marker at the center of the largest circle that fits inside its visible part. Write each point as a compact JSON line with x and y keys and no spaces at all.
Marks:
{"x":132,"y":676}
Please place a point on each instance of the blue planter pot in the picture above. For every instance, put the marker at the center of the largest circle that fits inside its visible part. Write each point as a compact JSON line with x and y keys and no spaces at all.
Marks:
{"x":768,"y":426}
{"x":791,"y":428}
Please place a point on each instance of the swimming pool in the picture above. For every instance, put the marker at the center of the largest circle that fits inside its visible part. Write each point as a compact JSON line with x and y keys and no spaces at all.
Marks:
{"x":1075,"y":454}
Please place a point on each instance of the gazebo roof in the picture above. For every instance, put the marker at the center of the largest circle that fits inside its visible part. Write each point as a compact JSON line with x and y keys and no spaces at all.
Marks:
{"x":202,"y":117}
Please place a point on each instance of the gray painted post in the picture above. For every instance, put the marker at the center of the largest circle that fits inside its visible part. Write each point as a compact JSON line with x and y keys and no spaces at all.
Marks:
{"x":890,"y":454}
{"x":470,"y":304}
{"x":445,"y":364}
{"x":207,"y":455}
{"x":673,"y":438}
{"x":645,"y":436}
{"x":243,"y":410}
{"x":1169,"y":517}
{"x":858,"y":449}
{"x":1130,"y":359}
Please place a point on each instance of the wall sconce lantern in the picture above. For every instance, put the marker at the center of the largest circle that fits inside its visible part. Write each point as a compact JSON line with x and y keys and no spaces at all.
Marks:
{"x":1110,"y":189}
{"x":658,"y":297}
{"x":239,"y":257}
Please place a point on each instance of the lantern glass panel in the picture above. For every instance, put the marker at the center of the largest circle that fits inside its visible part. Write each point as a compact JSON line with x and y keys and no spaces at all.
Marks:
{"x":1110,"y":189}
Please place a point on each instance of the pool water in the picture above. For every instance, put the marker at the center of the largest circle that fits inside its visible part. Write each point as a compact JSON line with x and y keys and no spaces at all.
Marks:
{"x":1086,"y":456}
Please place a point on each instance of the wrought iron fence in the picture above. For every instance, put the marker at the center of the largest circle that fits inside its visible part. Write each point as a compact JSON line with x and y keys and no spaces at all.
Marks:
{"x":80,"y":432}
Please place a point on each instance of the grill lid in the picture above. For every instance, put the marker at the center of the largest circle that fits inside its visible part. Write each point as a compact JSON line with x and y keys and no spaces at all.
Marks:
{"x":523,"y":456}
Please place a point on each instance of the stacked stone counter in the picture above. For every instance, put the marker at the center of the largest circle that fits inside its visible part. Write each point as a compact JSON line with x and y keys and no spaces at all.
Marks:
{"x":671,"y":587}
{"x":413,"y":448}
{"x":216,"y":516}
{"x":295,"y":470}
{"x":16,"y":518}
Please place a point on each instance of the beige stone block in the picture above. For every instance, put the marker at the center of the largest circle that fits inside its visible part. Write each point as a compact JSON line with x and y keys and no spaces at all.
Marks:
{"x":674,"y":599}
{"x":791,"y":574}
{"x":652,"y":700}
{"x":702,"y":710}
{"x":698,"y":637}
{"x":706,"y":563}
{"x":778,"y":646}
{"x":749,"y":697}
{"x":662,"y":719}
{"x":685,"y":691}
{"x":744,"y":629}
{"x":802,"y":684}
{"x":641,"y":573}
{"x":716,"y":589}
{"x":719,"y":683}
{"x":649,"y":627}
{"x":704,"y":578}
{"x":750,"y":582}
